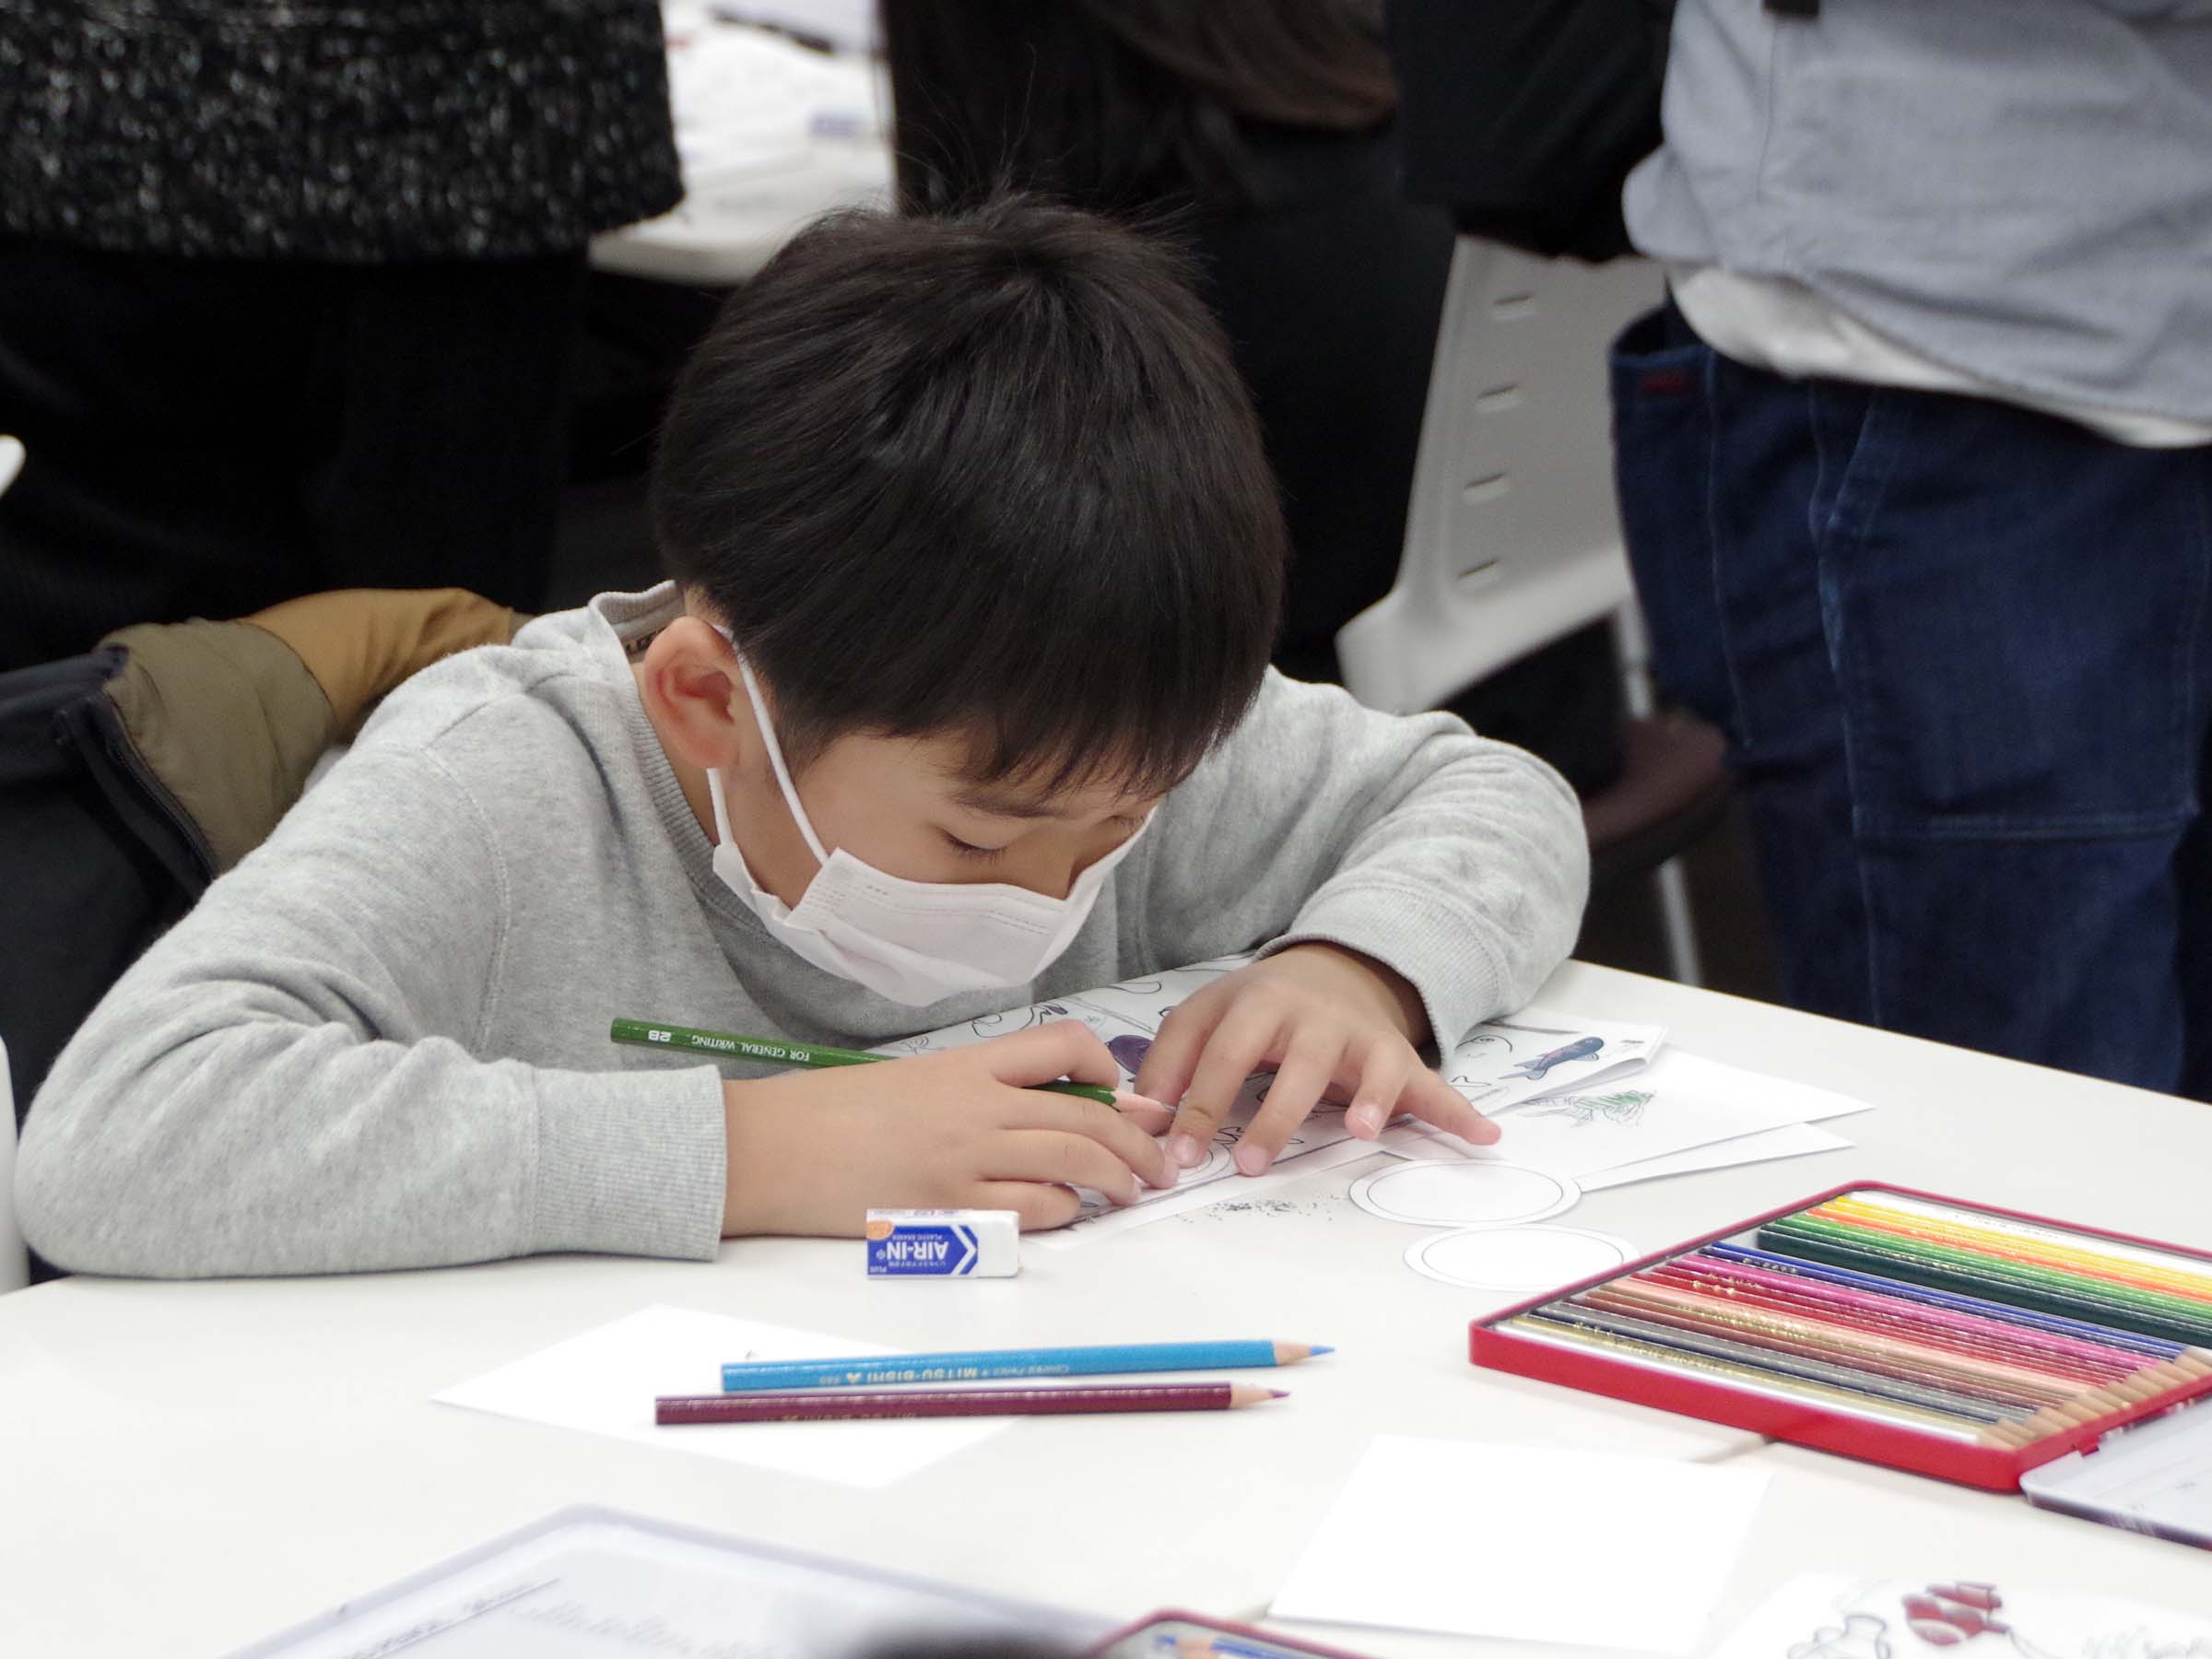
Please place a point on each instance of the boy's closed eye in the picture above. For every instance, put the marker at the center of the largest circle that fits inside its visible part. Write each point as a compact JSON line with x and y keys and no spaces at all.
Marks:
{"x":1113,"y":831}
{"x":970,"y":850}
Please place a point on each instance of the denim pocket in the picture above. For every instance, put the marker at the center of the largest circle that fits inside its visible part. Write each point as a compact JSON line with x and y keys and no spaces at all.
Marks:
{"x":1661,"y":377}
{"x":2017,"y":611}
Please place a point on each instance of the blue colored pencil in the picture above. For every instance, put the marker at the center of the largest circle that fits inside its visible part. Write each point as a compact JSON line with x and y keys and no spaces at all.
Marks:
{"x":989,"y":1364}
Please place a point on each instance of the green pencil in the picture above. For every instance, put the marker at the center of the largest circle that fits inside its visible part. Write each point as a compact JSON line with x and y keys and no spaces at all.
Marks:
{"x":774,"y":1051}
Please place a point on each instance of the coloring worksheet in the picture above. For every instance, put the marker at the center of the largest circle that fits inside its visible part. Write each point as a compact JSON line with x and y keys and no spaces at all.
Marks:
{"x":1126,"y":1018}
{"x":1676,"y":1103}
{"x":1543,"y":1051}
{"x":1537,"y":1052}
{"x":1833,"y":1616}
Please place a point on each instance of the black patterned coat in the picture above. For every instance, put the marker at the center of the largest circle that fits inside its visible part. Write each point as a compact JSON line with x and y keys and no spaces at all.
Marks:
{"x":373,"y":131}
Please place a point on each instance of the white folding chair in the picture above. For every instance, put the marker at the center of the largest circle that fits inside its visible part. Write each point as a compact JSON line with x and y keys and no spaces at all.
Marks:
{"x":1512,"y":538}
{"x":15,"y":1269}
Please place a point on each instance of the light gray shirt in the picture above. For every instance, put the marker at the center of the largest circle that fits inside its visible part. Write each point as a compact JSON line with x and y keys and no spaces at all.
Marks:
{"x":381,"y":1040}
{"x":2019,"y":191}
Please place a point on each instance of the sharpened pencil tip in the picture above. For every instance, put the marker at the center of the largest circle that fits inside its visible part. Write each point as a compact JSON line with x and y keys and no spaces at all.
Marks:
{"x":1278,"y":1393}
{"x":1320,"y":1349}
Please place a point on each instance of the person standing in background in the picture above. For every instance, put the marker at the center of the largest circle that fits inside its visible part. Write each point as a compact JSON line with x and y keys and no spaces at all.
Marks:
{"x":1263,"y":133}
{"x":1917,"y":477}
{"x":288,"y":292}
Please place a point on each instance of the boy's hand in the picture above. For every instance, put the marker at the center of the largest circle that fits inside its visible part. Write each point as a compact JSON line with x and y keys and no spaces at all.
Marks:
{"x":812,"y":1152}
{"x":1328,"y":1020}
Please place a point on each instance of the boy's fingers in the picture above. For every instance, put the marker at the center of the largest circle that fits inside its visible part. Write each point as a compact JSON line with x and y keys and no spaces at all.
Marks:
{"x":1433,"y":1100}
{"x":1040,"y":1207}
{"x":1118,"y":1132}
{"x":1173,"y":1056}
{"x":1375,"y":1099}
{"x":1304,"y":1073}
{"x":1232,"y":1054}
{"x":1052,"y":1155}
{"x":1148,"y":1115}
{"x":1045,"y":1053}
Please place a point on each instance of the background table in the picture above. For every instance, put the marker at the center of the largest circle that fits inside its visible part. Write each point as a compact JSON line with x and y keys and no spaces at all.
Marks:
{"x":769,"y":134}
{"x":186,"y":1467}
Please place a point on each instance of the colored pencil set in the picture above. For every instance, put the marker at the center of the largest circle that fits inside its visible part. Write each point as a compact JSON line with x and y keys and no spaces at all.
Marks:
{"x":798,"y":1390}
{"x":1894,"y":1311}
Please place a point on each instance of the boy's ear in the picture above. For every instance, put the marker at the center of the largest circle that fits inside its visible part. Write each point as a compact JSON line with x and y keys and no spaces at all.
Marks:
{"x":689,"y":681}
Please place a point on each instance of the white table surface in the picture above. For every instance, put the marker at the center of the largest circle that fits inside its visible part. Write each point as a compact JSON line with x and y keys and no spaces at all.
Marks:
{"x":186,"y":1467}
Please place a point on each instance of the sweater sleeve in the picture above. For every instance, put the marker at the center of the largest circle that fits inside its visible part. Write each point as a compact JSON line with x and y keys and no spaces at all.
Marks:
{"x":292,"y":1079}
{"x":2158,"y":11}
{"x":1459,"y":862}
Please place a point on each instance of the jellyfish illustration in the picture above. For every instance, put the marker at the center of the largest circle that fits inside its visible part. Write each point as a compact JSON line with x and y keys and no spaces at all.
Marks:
{"x":1129,"y":1052}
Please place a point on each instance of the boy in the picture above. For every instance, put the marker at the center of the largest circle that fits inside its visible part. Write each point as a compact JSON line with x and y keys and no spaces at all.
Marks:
{"x":958,"y":699}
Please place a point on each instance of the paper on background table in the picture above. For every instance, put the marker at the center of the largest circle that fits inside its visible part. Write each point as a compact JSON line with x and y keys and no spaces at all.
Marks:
{"x":604,"y":1383}
{"x":1843,"y":1616}
{"x":1792,"y":1140}
{"x":1677,"y":1101}
{"x":1530,"y":1543}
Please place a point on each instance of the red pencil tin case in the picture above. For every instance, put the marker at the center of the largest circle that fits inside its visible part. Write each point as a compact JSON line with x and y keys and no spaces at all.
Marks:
{"x":1717,"y":1401}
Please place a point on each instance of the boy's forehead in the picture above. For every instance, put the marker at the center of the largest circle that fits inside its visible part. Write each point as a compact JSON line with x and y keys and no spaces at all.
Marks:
{"x":952,"y":763}
{"x":1033,"y":801}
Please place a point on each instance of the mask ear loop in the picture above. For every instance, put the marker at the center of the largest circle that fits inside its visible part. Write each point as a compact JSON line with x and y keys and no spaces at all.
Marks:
{"x":775,"y":760}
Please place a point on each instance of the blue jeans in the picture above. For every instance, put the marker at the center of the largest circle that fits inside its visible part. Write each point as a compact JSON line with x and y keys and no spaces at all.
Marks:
{"x":1962,"y":657}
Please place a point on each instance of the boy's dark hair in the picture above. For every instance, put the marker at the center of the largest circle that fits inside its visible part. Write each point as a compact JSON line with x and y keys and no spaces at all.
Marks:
{"x":995,"y":471}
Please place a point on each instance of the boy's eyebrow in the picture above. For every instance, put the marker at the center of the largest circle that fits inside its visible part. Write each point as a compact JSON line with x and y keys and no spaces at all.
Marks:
{"x":999,"y":803}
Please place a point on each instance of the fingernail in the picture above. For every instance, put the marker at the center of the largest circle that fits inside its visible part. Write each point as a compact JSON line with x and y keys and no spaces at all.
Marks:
{"x":1185,"y":1150}
{"x":1365,"y":1119}
{"x":1128,"y":1100}
{"x":1170,"y":1176}
{"x":1254,"y":1160}
{"x":1486,"y":1134}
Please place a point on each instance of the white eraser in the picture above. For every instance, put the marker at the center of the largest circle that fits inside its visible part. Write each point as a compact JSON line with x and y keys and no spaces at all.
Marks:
{"x":944,"y":1243}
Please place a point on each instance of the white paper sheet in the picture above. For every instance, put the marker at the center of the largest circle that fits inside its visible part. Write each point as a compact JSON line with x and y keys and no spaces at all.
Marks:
{"x":1463,"y":1191}
{"x":1545,"y":1051}
{"x":1510,"y":1541}
{"x":1676,"y":1103}
{"x":1792,"y":1140}
{"x":1840,"y":1615}
{"x":604,"y":1383}
{"x":1517,"y":1260}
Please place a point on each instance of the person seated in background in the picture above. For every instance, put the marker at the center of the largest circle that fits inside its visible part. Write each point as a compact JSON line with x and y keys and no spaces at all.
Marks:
{"x":959,"y":698}
{"x":288,"y":294}
{"x":1261,"y":132}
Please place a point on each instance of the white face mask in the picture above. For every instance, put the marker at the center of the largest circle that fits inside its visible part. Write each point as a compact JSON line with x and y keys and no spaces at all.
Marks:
{"x":914,"y":942}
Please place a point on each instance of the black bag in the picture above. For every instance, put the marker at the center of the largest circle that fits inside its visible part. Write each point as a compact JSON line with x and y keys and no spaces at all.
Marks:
{"x":1525,"y":117}
{"x":100,"y":863}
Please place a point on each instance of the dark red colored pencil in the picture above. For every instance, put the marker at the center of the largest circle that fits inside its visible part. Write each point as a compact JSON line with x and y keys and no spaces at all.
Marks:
{"x":955,"y":1402}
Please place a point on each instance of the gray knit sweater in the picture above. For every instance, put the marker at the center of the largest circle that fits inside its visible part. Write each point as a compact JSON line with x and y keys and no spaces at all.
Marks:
{"x":381,"y":1041}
